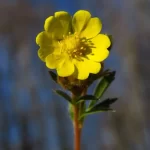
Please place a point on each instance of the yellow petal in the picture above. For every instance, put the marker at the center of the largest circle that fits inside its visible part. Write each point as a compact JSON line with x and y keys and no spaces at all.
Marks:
{"x":101,"y":40}
{"x":85,"y":67}
{"x":53,"y":61}
{"x":46,"y":44}
{"x":92,"y":29}
{"x":65,"y":20}
{"x":54,"y":27}
{"x":66,"y":68}
{"x":91,"y":66}
{"x":43,"y":39}
{"x":80,"y":19}
{"x":43,"y":52}
{"x":98,"y":54}
{"x":99,"y":51}
{"x":81,"y":72}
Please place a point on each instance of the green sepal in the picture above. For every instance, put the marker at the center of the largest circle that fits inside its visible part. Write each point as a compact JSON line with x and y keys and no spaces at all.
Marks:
{"x":53,"y":76}
{"x":86,"y":97}
{"x":64,"y":95}
{"x":102,"y":86}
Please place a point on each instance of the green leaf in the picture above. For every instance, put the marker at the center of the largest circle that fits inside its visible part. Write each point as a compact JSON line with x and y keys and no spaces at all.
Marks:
{"x":104,"y":104}
{"x":86,"y":97}
{"x":95,"y":111}
{"x":100,"y":107}
{"x":64,"y":95}
{"x":102,"y":86}
{"x":53,"y":76}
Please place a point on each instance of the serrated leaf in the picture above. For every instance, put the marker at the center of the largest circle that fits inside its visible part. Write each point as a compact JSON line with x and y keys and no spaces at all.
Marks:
{"x":104,"y":104}
{"x":53,"y":76}
{"x":102,"y":86}
{"x":100,"y":107}
{"x":64,"y":95}
{"x":107,"y":102}
{"x":95,"y":111}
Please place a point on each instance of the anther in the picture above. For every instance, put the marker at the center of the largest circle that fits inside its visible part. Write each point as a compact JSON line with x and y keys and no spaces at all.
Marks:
{"x":74,"y":50}
{"x":82,"y":47}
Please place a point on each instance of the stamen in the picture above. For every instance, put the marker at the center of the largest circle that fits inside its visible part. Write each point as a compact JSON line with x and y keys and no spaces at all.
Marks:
{"x":74,"y":46}
{"x":74,"y":50}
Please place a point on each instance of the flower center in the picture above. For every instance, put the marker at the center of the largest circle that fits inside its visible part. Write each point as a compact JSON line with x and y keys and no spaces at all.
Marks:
{"x":75,"y":46}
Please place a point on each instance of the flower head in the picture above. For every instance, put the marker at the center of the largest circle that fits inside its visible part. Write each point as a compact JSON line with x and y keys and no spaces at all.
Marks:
{"x":73,"y":45}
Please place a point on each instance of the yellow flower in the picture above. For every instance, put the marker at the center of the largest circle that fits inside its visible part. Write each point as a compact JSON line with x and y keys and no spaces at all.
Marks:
{"x":73,"y":45}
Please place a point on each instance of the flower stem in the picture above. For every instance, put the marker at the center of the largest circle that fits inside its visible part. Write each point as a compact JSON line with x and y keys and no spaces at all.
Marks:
{"x":77,"y":128}
{"x":76,"y":122}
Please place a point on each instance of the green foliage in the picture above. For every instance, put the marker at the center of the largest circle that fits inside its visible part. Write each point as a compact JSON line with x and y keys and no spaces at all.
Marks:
{"x":64,"y":95}
{"x":95,"y":105}
{"x":53,"y":76}
{"x":104,"y":105}
{"x":103,"y":86}
{"x":100,"y":107}
{"x":86,"y":97}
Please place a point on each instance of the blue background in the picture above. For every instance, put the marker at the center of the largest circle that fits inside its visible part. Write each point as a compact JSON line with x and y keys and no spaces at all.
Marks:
{"x":32,"y":117}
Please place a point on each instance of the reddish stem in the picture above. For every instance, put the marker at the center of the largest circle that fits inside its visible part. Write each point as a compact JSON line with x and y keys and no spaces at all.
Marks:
{"x":77,"y":124}
{"x":77,"y":129}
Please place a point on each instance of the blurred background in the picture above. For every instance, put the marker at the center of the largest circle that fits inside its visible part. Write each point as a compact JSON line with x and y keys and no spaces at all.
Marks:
{"x":32,"y":117}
